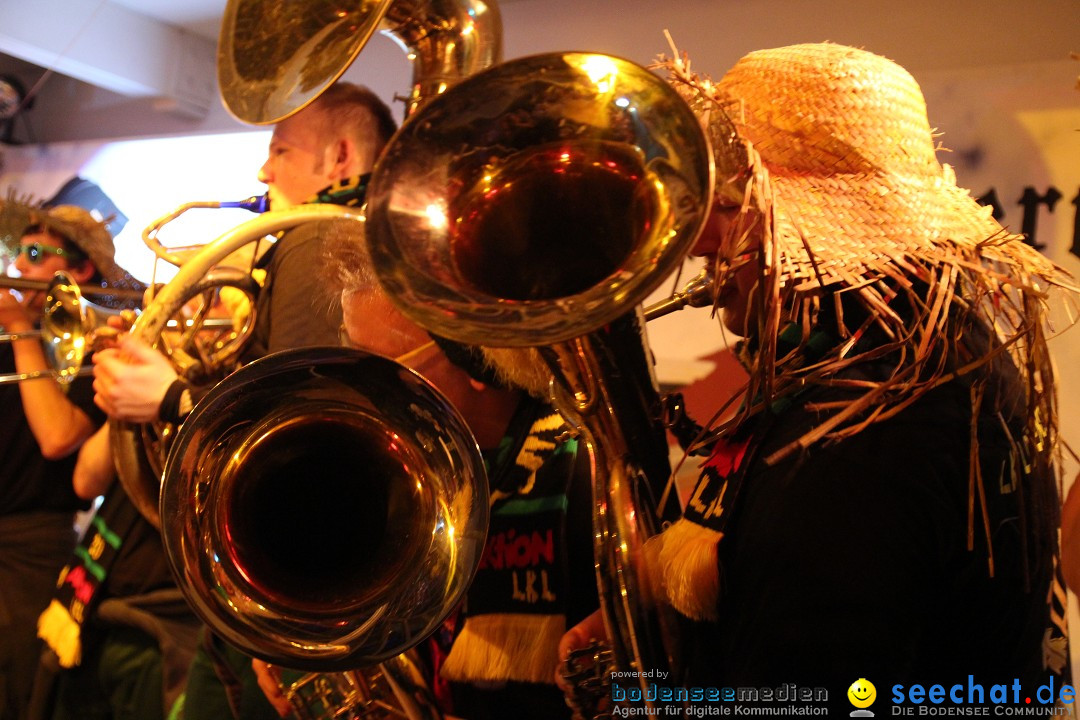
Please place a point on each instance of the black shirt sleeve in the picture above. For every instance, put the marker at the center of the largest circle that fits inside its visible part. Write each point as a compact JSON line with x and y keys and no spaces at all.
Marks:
{"x":852,"y":560}
{"x":303,"y":311}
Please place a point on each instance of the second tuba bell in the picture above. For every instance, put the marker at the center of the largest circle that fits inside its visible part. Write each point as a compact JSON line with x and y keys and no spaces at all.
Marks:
{"x":331,"y":531}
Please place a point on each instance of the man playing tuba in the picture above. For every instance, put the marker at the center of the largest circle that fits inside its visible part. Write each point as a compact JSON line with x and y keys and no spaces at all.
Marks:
{"x":323,"y":153}
{"x":884,"y":505}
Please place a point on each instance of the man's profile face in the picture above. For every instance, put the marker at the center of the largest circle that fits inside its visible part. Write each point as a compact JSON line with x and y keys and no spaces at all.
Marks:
{"x":718,"y":239}
{"x":297,"y":165}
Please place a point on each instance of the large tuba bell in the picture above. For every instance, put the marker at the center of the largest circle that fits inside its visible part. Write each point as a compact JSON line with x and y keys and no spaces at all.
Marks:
{"x":538,"y":203}
{"x":334,"y":530}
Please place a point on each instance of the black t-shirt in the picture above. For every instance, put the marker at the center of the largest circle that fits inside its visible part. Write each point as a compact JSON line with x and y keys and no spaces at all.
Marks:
{"x":29,"y":482}
{"x":851,"y":561}
{"x":293,"y":309}
{"x":141,"y":565}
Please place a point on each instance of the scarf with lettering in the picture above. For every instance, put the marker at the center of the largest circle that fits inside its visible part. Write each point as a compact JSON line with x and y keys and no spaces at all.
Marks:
{"x":515,"y":610}
{"x":683,"y":558}
{"x":78,"y":590}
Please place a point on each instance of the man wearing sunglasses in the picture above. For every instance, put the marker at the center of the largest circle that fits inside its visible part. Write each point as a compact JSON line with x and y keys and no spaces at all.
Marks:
{"x":42,"y":424}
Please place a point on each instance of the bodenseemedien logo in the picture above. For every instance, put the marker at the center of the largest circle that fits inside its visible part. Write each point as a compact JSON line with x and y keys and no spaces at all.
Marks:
{"x":649,"y":698}
{"x":862,"y":694}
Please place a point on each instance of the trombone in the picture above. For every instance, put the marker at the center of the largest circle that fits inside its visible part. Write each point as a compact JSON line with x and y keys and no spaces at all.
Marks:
{"x":68,"y":325}
{"x":22,"y":284}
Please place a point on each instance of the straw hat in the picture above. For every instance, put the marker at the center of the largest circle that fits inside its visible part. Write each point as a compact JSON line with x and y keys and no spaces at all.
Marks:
{"x":828,"y":149}
{"x":79,"y":227}
{"x":831,"y":149}
{"x":853,"y":180}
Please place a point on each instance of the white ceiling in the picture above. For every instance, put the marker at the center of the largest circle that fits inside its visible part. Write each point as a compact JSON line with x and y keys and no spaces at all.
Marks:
{"x":202,"y":17}
{"x":122,"y":68}
{"x":148,"y":65}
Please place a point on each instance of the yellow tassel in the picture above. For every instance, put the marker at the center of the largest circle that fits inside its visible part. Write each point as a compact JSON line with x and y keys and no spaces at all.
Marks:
{"x":686,"y":554}
{"x":654,"y":571}
{"x":57,"y":628}
{"x":506,"y":646}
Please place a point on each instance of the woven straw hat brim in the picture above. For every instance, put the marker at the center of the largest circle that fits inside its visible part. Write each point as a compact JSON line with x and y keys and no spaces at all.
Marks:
{"x":830,"y":230}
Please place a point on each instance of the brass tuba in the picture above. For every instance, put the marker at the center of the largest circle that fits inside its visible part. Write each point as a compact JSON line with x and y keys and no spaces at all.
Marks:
{"x":274,"y":58}
{"x":365,"y":459}
{"x":537,"y":204}
{"x":331,"y":531}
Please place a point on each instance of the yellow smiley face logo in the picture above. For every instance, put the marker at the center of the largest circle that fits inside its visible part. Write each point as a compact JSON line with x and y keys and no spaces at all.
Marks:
{"x":862,"y":693}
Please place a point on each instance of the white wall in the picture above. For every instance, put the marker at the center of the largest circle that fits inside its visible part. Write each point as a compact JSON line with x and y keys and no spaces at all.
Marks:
{"x":148,"y":178}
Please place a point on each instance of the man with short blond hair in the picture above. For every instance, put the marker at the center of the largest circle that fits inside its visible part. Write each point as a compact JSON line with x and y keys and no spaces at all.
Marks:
{"x":323,"y":153}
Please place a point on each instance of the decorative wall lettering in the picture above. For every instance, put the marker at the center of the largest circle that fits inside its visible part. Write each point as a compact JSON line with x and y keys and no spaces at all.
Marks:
{"x":1031,"y":201}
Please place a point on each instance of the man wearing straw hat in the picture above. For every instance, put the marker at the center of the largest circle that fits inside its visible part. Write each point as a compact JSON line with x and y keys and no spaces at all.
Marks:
{"x":44,"y":423}
{"x":884,"y":503}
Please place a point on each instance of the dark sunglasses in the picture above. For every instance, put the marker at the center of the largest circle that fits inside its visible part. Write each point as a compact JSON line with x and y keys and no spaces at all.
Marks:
{"x":36,"y":253}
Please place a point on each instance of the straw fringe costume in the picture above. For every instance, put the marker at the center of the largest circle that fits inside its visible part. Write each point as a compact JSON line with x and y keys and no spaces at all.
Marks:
{"x":884,"y":504}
